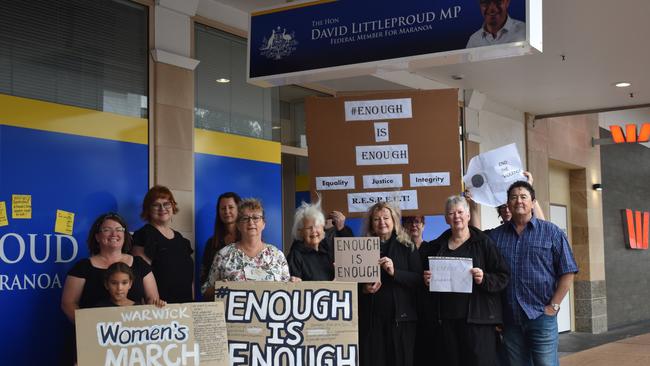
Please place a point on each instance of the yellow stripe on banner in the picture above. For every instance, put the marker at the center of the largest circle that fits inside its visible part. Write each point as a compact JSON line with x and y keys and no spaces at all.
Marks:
{"x":235,"y":146}
{"x":46,"y":116}
{"x":289,"y":7}
{"x":302,"y":183}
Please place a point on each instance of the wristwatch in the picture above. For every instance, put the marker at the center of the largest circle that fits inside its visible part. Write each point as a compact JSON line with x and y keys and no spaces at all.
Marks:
{"x":556,"y":307}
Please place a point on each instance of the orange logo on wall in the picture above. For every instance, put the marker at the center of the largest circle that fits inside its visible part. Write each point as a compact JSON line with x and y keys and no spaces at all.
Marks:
{"x":630,"y":133}
{"x":637,"y":234}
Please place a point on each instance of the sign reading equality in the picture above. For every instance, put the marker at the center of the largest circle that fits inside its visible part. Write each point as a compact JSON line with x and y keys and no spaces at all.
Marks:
{"x":357,"y":259}
{"x":285,"y":323}
{"x":316,"y":40}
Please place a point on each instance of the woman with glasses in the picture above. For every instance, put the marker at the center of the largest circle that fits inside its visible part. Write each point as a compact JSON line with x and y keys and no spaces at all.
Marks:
{"x":387,"y":309}
{"x":249,"y":259}
{"x":109,"y":242}
{"x":414,"y":226}
{"x":468,"y":320}
{"x":168,"y":252}
{"x":225,"y":231}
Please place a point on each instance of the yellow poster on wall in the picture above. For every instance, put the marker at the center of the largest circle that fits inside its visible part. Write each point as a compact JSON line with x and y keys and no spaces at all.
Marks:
{"x":21,"y":206}
{"x":64,"y":222}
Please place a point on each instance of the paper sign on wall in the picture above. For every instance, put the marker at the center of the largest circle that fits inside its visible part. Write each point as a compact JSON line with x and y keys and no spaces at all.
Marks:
{"x":381,"y":132}
{"x":64,"y":222}
{"x":490,"y":174}
{"x":450,"y":274}
{"x":284,"y":323}
{"x":3,"y":214}
{"x":368,"y":110}
{"x":177,"y":334}
{"x":430,"y":179}
{"x":334,"y":183}
{"x":21,"y":206}
{"x":382,"y":181}
{"x":356,"y":259}
{"x":361,"y":202}
{"x":382,"y":154}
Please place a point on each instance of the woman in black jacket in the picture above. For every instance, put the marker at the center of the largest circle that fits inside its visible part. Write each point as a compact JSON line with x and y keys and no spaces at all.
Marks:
{"x":387,"y":309}
{"x":468,"y":320}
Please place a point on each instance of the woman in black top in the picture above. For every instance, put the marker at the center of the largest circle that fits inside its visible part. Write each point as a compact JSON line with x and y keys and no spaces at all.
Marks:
{"x":311,"y":257}
{"x":109,"y":242}
{"x":225,"y":231}
{"x":387,"y":309}
{"x":468,"y":319}
{"x":168,"y":252}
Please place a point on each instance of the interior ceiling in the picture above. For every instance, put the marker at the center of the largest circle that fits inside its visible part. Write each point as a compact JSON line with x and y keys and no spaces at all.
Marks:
{"x":602,"y":42}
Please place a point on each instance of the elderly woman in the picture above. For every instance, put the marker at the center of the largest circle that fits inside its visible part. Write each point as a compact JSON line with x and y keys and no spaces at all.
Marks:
{"x":468,"y":319}
{"x":108,"y":242}
{"x":225,"y":231}
{"x":312,"y":253}
{"x":387,"y":309}
{"x":249,"y":259}
{"x":168,"y":252}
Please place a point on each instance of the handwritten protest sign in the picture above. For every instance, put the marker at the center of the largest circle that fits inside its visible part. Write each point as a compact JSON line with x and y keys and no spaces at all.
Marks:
{"x":179,"y":334}
{"x":356,"y":259}
{"x":64,"y":222}
{"x":3,"y":214}
{"x":450,"y":274}
{"x":297,"y":324}
{"x":491,"y":173}
{"x":21,"y":206}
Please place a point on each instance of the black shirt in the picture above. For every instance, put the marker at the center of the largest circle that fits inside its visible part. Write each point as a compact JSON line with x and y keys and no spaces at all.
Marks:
{"x":171,"y":262}
{"x":454,"y":305}
{"x":309,"y":264}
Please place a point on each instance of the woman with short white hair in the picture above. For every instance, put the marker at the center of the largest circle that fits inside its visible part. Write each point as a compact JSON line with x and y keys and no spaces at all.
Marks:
{"x":312,"y":253}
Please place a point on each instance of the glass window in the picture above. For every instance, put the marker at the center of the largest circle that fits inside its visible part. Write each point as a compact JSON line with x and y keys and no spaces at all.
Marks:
{"x":90,"y":54}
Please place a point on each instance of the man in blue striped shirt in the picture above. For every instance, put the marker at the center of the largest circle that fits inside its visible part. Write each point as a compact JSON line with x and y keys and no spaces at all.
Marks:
{"x":542,"y":270}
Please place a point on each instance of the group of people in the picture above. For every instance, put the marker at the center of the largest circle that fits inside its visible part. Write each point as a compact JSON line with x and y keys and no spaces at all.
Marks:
{"x":521,"y":270}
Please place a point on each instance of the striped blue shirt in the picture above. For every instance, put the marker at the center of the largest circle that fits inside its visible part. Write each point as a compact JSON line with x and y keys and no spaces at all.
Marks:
{"x":537,"y":259}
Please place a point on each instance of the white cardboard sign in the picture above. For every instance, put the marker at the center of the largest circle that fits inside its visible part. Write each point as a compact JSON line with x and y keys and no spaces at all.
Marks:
{"x":450,"y":274}
{"x":368,"y":110}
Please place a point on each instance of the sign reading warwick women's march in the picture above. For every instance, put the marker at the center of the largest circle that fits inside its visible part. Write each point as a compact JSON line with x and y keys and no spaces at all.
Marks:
{"x":316,"y":40}
{"x":176,"y":334}
{"x":397,"y":147}
{"x":293,"y":324}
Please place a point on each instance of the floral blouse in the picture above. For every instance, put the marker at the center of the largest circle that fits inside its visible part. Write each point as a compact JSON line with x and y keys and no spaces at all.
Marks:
{"x":232,"y":264}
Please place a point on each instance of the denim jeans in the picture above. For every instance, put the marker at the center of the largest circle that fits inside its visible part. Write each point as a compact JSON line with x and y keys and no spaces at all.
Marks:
{"x":534,"y":342}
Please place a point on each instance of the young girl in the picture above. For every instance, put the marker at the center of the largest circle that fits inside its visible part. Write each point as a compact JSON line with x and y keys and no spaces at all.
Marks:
{"x":118,"y":280}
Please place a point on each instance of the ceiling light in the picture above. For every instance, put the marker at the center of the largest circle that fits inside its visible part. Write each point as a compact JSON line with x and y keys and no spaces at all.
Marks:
{"x":275,"y":127}
{"x":222,"y":80}
{"x":622,"y":84}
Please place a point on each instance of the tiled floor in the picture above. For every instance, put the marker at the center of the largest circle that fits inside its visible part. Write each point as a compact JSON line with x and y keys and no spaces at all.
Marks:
{"x":627,"y":346}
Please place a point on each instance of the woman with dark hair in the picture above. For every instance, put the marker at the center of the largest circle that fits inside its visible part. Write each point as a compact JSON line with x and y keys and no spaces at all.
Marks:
{"x":387,"y":309}
{"x":168,"y":252}
{"x":109,"y":242}
{"x":225,"y":231}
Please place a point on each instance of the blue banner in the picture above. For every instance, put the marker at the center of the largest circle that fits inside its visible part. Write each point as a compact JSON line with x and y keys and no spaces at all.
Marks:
{"x":323,"y":34}
{"x":83,"y":175}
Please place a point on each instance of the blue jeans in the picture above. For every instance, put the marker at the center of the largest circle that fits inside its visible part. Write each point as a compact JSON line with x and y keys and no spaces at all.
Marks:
{"x":534,"y":342}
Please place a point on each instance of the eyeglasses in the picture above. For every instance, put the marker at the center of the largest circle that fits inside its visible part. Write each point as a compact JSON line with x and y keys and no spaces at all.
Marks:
{"x":254,"y":218}
{"x":110,"y":230}
{"x":412,"y":222}
{"x":160,"y":206}
{"x":487,"y":2}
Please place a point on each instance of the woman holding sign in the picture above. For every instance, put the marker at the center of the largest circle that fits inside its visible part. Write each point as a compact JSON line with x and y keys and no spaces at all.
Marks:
{"x":387,"y":309}
{"x":249,"y":259}
{"x":311,"y":257}
{"x":468,"y":318}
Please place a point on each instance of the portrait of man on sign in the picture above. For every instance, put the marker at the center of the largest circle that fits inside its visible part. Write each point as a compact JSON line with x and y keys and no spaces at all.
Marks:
{"x":498,"y":27}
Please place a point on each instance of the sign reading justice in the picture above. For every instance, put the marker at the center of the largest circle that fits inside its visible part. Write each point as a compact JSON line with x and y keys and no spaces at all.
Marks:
{"x":399,"y":147}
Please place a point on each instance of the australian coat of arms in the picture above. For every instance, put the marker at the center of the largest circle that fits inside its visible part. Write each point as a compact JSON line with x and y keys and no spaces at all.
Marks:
{"x":279,"y":44}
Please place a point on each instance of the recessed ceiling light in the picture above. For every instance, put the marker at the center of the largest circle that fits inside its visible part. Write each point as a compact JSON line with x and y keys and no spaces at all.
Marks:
{"x":275,"y":127}
{"x":622,"y":84}
{"x":222,"y":80}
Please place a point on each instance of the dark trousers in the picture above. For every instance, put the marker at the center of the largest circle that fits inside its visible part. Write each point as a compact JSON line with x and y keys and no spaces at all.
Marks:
{"x":467,"y":344}
{"x":388,"y":343}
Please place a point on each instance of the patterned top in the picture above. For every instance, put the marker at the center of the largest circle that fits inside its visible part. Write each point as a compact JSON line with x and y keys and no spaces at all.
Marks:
{"x":232,"y":264}
{"x":537,"y":259}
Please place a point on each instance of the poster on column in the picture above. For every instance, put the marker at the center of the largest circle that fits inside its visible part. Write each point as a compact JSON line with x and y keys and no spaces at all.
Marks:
{"x":297,"y":324}
{"x":398,"y":147}
{"x":176,"y":334}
